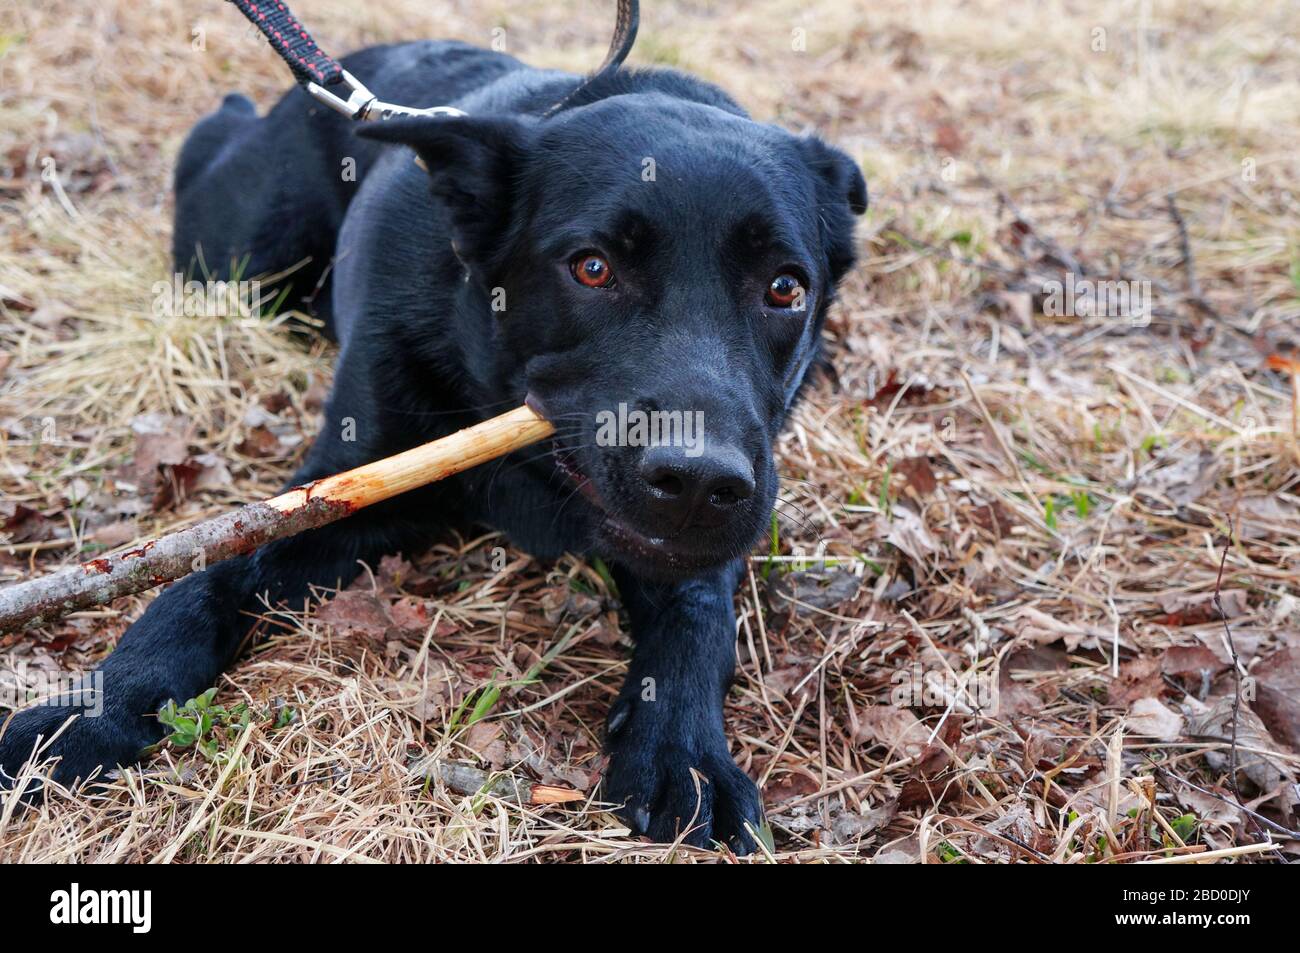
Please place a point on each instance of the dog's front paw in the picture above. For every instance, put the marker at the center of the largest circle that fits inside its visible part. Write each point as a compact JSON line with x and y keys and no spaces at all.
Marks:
{"x":673,"y":780}
{"x":84,"y":742}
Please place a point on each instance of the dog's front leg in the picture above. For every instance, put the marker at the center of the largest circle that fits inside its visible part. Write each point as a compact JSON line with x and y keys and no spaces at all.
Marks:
{"x":670,"y":766}
{"x":188,"y":636}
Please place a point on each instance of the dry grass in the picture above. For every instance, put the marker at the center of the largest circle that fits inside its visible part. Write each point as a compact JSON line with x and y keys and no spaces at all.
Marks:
{"x":1088,"y":474}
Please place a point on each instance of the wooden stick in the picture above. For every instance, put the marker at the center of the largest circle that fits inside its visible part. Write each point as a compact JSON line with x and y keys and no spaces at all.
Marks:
{"x":471,"y":781}
{"x":99,"y":581}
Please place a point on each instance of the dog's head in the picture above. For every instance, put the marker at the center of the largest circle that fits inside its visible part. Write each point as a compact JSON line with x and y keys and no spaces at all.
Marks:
{"x":656,"y":273}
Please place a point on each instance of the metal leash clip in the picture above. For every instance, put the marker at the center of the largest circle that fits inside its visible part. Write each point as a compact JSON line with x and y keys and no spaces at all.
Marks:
{"x":364,"y":105}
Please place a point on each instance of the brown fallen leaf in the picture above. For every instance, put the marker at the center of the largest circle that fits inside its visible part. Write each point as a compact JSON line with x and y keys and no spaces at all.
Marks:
{"x":790,"y":785}
{"x":898,"y":854}
{"x":563,"y":602}
{"x":803,"y":592}
{"x":1190,"y":660}
{"x":207,"y":472}
{"x":394,"y":570}
{"x":1259,"y":757}
{"x":1277,"y":695}
{"x":116,"y":533}
{"x":928,"y":792}
{"x":259,"y":443}
{"x":356,"y":612}
{"x":834,"y":824}
{"x":948,"y":138}
{"x":1188,"y":477}
{"x":484,"y":738}
{"x":1015,"y":695}
{"x":1209,"y":809}
{"x":1199,"y":608}
{"x":1260,"y":517}
{"x":918,"y":473}
{"x":936,"y":756}
{"x":1151,"y":718}
{"x":1138,"y":678}
{"x":160,"y":440}
{"x":896,"y":728}
{"x":1036,"y":626}
{"x":162,"y":468}
{"x":907,"y":532}
{"x":22,"y":524}
{"x":994,"y":518}
{"x":795,"y":671}
{"x":410,"y":614}
{"x":573,"y":776}
{"x":1016,"y":825}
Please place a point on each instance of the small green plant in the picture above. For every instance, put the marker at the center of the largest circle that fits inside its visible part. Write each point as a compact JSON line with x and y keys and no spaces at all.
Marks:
{"x":1151,"y":443}
{"x":201,"y":725}
{"x":949,"y":854}
{"x":476,"y":705}
{"x":775,"y":549}
{"x":284,"y":717}
{"x":484,"y":703}
{"x":1184,"y":826}
{"x":762,"y":835}
{"x":605,"y":575}
{"x":1082,"y":503}
{"x":208,"y":728}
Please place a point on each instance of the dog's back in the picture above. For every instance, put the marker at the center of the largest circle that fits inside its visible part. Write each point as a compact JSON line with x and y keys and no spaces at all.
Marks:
{"x":258,"y":196}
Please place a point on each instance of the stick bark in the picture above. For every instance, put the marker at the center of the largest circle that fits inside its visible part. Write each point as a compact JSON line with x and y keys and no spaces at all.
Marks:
{"x":469,"y":781}
{"x":99,"y":581}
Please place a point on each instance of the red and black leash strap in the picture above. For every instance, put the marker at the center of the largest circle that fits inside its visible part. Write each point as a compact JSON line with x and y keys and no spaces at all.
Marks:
{"x":289,"y":38}
{"x":315,"y":69}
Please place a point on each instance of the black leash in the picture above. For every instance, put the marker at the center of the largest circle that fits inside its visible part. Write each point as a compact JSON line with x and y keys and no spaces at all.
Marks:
{"x":316,"y":70}
{"x":620,"y":45}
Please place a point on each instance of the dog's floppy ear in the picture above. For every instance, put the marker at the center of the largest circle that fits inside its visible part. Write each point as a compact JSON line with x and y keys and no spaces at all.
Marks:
{"x":839,"y":173}
{"x":841,"y":189}
{"x":473,"y":165}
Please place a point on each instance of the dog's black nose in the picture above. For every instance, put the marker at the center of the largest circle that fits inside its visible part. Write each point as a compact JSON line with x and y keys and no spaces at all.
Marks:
{"x":699,"y":488}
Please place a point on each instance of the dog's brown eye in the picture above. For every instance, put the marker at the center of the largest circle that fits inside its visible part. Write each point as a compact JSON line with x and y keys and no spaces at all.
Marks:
{"x":592,"y":270}
{"x":785,"y":291}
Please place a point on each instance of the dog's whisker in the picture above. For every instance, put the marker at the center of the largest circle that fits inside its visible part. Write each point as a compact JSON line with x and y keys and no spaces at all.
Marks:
{"x":800,"y":518}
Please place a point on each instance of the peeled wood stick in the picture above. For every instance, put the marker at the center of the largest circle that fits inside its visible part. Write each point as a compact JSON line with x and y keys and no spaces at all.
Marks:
{"x":99,"y":581}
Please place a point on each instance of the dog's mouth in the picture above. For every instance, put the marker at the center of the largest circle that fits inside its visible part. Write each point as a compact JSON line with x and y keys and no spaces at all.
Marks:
{"x":666,"y":553}
{"x":568,"y":466}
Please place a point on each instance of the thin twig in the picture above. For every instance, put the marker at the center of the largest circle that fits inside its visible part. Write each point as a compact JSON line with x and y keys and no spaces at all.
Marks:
{"x":1189,"y":262}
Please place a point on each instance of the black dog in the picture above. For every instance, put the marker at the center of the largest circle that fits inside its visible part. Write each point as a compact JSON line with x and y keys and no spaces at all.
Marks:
{"x":645,"y":244}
